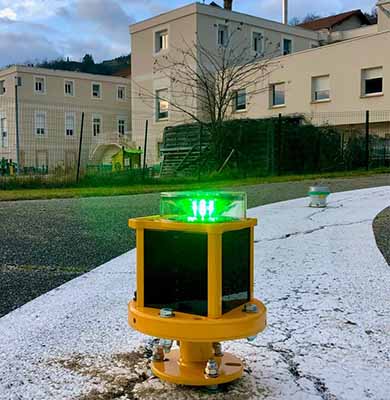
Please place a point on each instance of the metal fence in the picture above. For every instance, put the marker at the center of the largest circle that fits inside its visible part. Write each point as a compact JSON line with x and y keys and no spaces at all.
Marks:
{"x":364,"y":138}
{"x":46,"y":143}
{"x":299,"y":143}
{"x":57,"y":142}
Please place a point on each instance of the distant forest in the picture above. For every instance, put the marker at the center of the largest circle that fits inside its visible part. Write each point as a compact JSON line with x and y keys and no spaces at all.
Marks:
{"x":88,"y":65}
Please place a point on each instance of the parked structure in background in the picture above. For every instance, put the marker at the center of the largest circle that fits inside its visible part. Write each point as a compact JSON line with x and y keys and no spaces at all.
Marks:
{"x":321,"y":68}
{"x":41,"y":113}
{"x":337,"y":23}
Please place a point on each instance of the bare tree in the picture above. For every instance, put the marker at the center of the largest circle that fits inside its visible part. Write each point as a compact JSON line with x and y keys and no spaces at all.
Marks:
{"x":308,"y":18}
{"x":205,"y":83}
{"x":372,"y":16}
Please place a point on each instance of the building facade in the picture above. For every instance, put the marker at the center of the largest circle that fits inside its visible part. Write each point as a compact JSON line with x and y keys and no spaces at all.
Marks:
{"x":338,"y":66}
{"x":41,"y":114}
{"x":332,"y":84}
{"x":174,"y":32}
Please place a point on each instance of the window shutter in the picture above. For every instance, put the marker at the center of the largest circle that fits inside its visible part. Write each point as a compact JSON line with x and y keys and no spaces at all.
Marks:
{"x":321,"y":83}
{"x":373,"y":73}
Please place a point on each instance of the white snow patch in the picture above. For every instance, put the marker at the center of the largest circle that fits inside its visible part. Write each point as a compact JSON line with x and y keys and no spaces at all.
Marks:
{"x":324,"y":281}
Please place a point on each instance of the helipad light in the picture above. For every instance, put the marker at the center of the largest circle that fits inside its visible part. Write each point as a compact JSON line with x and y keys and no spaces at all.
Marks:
{"x":203,"y":207}
{"x":195,"y":286}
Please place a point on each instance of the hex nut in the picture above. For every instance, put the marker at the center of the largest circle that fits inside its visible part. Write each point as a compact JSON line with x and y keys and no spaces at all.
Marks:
{"x":158,"y":353}
{"x":250,"y":308}
{"x":217,"y":349}
{"x":166,"y":345}
{"x":166,"y":313}
{"x":211,"y":369}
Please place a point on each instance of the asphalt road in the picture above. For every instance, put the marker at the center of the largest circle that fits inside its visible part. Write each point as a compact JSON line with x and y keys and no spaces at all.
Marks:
{"x":44,"y":243}
{"x":382,"y":232}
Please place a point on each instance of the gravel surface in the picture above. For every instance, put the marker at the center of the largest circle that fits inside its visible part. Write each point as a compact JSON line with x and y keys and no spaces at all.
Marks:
{"x":47,"y":242}
{"x":382,"y":232}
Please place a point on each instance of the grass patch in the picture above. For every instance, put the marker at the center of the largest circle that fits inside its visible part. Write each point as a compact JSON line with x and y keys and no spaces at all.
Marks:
{"x":171,"y":185}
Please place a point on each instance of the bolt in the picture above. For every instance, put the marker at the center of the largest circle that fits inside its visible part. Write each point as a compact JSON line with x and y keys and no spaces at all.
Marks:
{"x":217,"y":349}
{"x":211,"y":369}
{"x":251,"y":338}
{"x":212,"y":389}
{"x":166,"y":313}
{"x":158,"y":353}
{"x":250,"y":308}
{"x":166,"y":345}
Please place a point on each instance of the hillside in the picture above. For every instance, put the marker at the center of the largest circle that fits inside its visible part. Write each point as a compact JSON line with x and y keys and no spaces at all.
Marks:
{"x":88,"y":65}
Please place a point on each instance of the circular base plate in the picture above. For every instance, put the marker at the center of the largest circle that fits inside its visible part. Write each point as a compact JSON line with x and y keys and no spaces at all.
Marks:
{"x":192,"y":374}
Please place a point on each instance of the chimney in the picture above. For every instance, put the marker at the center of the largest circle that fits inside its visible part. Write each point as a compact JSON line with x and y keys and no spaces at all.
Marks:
{"x":228,"y":5}
{"x":285,"y":11}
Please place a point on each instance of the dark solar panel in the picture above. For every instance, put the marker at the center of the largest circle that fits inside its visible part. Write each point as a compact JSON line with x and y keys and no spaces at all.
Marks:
{"x":176,"y":271}
{"x":235,"y":269}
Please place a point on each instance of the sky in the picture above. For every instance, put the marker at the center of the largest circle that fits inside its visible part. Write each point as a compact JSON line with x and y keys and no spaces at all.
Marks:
{"x":37,"y":30}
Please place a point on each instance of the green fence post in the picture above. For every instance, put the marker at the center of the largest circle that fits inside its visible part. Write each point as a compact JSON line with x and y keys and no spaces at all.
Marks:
{"x":279,"y":143}
{"x":145,"y":147}
{"x":80,"y":148}
{"x":367,"y":140}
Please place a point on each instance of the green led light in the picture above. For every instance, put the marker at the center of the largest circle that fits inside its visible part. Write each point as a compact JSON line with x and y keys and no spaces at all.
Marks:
{"x":203,"y":207}
{"x":203,"y":210}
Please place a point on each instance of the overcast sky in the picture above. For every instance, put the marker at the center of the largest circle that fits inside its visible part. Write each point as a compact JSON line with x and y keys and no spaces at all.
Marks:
{"x":32,"y":30}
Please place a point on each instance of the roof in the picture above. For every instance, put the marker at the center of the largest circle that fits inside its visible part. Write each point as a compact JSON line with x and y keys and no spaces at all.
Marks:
{"x":198,"y":8}
{"x":330,"y":22}
{"x":63,"y":74}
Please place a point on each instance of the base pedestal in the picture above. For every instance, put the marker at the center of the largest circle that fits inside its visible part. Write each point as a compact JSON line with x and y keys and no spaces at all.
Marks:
{"x":186,"y":366}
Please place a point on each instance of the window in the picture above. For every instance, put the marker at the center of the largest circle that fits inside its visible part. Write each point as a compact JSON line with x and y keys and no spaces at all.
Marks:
{"x":257,"y":42}
{"x":70,"y":123}
{"x":278,"y":94}
{"x":161,"y":40}
{"x":69,"y":88}
{"x":3,"y":132}
{"x":223,"y":32}
{"x":240,"y":100}
{"x":287,"y":46}
{"x":40,"y":122}
{"x":122,"y":125}
{"x":40,"y":85}
{"x":320,"y":88}
{"x":162,"y":105}
{"x":96,"y":125}
{"x":121,"y":93}
{"x":2,"y":87}
{"x":96,"y":90}
{"x":372,"y":81}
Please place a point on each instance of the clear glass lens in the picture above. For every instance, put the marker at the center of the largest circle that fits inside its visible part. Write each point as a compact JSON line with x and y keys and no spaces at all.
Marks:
{"x":203,"y":207}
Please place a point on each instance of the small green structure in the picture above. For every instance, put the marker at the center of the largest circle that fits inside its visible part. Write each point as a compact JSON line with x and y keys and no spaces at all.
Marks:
{"x":126,"y":158}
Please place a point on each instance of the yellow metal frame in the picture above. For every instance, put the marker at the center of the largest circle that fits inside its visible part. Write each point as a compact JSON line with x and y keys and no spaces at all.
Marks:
{"x":197,"y":333}
{"x":235,"y":324}
{"x":214,"y":232}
